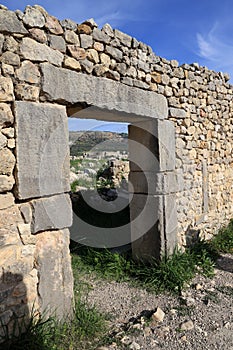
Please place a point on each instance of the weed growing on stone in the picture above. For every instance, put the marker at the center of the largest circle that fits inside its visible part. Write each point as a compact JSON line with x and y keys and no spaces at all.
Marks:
{"x":82,"y":332}
{"x":223,"y":241}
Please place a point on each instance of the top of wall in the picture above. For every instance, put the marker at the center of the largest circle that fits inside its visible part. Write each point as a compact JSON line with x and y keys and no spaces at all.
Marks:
{"x":40,"y":37}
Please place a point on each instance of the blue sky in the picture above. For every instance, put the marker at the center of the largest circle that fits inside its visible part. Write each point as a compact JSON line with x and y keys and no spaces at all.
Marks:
{"x":186,"y":30}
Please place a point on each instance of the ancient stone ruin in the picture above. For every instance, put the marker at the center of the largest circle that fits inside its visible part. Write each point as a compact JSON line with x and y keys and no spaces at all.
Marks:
{"x":180,"y":147}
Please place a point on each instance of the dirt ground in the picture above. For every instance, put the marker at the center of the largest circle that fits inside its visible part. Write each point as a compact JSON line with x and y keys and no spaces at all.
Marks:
{"x":201,"y":318}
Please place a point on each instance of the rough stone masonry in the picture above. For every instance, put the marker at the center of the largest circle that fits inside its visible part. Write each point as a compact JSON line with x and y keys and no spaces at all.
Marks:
{"x":182,"y":116}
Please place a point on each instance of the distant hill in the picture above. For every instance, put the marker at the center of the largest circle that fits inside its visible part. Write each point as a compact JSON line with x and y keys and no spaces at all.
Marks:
{"x":83,"y":141}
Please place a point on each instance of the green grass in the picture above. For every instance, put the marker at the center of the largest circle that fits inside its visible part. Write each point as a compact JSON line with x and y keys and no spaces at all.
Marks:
{"x":87,"y":328}
{"x":171,"y":274}
{"x":223,"y":241}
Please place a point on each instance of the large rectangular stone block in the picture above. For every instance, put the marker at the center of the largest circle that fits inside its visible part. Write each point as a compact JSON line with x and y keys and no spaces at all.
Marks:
{"x":152,"y":146}
{"x":42,"y":149}
{"x":153,"y":183}
{"x":53,"y":263}
{"x":147,"y":227}
{"x":167,"y":148}
{"x":170,"y":222}
{"x":61,"y":84}
{"x":51,"y":213}
{"x":153,"y":225}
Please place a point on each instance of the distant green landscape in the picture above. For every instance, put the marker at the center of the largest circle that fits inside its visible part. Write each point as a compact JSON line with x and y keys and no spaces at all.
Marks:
{"x":100,"y":141}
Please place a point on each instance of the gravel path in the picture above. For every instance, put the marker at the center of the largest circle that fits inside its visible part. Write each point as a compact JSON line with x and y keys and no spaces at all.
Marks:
{"x":201,"y":318}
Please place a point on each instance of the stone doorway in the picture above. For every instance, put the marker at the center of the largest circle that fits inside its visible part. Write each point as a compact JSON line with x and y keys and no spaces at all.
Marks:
{"x":43,"y":126}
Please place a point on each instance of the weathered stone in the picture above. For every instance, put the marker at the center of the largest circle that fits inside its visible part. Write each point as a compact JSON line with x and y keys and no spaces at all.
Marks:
{"x":41,"y":9}
{"x":84,"y":29}
{"x":45,"y":171}
{"x":90,"y":22}
{"x":9,"y":23}
{"x":127,"y":81}
{"x":87,"y":65}
{"x":1,"y":42}
{"x":19,"y":14}
{"x":121,"y":68}
{"x":72,"y":63}
{"x":77,"y":52}
{"x":34,"y":51}
{"x":151,"y":183}
{"x":8,"y":236}
{"x":10,"y":58}
{"x":177,"y":113}
{"x":124,"y":38}
{"x":24,"y":229}
{"x":69,"y":24}
{"x":100,"y":69}
{"x":6,"y":200}
{"x":187,"y":326}
{"x":28,"y":72}
{"x":53,"y":25}
{"x":154,"y":142}
{"x":6,"y":183}
{"x":107,"y":29}
{"x":7,"y":70}
{"x":51,"y":213}
{"x":134,"y":346}
{"x":53,"y":263}
{"x":27,"y":92}
{"x":7,"y":161}
{"x":147,"y":230}
{"x":86,"y":41}
{"x":6,"y":116}
{"x":26,"y":213}
{"x":93,"y":56}
{"x":62,"y":84}
{"x":98,"y":46}
{"x":114,"y":52}
{"x":38,"y":35}
{"x":28,"y":241}
{"x":99,"y":35}
{"x":8,"y":132}
{"x":11,"y":44}
{"x":11,"y":143}
{"x":57,"y":43}
{"x":111,"y":74}
{"x":3,"y":141}
{"x":9,"y":218}
{"x":71,"y":37}
{"x":158,"y":315}
{"x":105,"y":59}
{"x":33,"y":17}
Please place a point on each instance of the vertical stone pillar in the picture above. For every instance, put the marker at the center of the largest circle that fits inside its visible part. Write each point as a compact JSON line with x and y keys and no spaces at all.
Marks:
{"x":152,"y":187}
{"x":42,"y":183}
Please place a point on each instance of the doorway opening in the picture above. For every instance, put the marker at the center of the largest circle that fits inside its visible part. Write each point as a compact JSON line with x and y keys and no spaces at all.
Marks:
{"x":99,"y":175}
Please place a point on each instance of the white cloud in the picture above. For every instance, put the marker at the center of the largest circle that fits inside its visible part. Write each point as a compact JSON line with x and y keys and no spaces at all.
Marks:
{"x":206,"y":48}
{"x":215,"y":50}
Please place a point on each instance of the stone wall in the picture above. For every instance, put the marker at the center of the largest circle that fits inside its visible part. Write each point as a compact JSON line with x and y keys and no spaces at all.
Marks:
{"x":50,"y":67}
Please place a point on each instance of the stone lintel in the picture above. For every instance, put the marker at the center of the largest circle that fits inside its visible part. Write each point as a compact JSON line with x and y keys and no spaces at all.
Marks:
{"x":63,"y":85}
